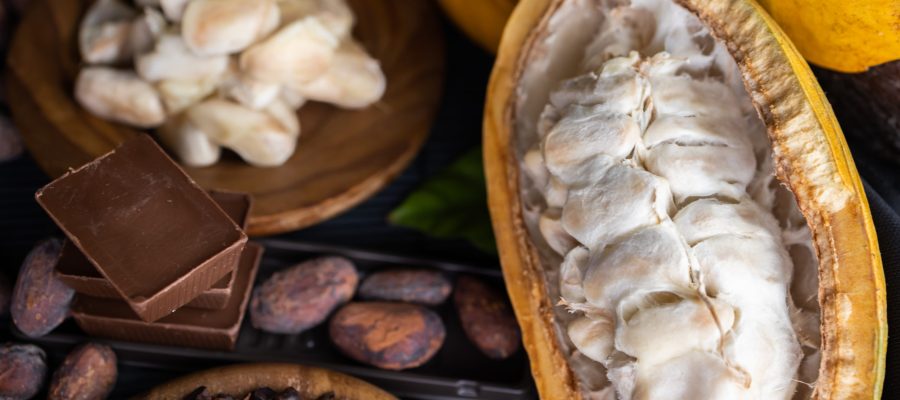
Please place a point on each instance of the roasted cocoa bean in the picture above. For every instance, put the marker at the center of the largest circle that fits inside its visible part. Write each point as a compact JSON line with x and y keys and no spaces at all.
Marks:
{"x":301,"y":297}
{"x":387,"y":335}
{"x":22,"y":371}
{"x":486,"y":318}
{"x":40,"y":301}
{"x":418,"y":286}
{"x":88,"y":373}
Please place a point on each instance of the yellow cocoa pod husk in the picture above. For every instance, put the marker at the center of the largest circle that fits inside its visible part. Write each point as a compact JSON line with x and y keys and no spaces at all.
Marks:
{"x":841,"y":35}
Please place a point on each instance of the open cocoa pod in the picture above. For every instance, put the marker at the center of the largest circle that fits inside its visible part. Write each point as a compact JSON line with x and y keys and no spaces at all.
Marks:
{"x":677,"y":212}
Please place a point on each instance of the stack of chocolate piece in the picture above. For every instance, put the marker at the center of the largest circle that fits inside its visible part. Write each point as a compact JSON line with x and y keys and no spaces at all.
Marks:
{"x":153,"y":257}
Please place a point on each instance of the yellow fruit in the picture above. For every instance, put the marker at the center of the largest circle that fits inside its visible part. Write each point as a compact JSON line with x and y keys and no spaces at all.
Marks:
{"x":481,"y":20}
{"x":842,"y":35}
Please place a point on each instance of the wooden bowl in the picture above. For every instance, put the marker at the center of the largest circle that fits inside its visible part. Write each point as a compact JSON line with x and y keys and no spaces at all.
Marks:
{"x":343,"y":156}
{"x":242,"y":378}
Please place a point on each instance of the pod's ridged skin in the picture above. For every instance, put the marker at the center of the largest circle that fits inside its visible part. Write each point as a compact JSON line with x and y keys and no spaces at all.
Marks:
{"x":810,"y":155}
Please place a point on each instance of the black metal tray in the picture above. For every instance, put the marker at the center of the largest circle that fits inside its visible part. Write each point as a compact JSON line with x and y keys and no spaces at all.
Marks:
{"x":458,"y":371}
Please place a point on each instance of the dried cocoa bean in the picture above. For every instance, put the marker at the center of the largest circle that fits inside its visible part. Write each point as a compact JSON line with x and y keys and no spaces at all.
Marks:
{"x":89,"y":372}
{"x":418,"y":286}
{"x":40,"y":301}
{"x":486,"y":318}
{"x":301,"y":297}
{"x":387,"y":335}
{"x":22,"y":371}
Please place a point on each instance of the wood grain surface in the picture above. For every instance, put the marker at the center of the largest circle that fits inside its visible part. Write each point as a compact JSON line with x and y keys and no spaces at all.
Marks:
{"x":343,"y":156}
{"x":237,"y":380}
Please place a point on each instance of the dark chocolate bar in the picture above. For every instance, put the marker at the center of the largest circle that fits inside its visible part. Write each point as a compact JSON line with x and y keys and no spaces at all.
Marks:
{"x":235,"y":204}
{"x":150,"y":230}
{"x":77,"y":272}
{"x":192,"y":327}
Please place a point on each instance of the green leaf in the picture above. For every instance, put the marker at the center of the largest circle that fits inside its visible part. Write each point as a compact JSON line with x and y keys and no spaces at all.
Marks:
{"x":452,"y":204}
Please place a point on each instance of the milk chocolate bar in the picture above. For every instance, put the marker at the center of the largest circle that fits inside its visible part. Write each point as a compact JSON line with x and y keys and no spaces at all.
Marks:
{"x":152,"y":232}
{"x":77,"y":272}
{"x":192,"y":327}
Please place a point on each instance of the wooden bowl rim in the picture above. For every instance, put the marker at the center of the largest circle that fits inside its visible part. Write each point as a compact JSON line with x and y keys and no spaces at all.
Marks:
{"x":242,"y":378}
